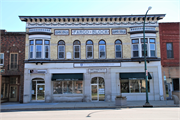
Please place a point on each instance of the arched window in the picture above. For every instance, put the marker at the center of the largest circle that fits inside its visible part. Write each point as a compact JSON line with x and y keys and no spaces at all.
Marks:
{"x":89,"y":49}
{"x":118,"y":48}
{"x":77,"y":49}
{"x":102,"y":49}
{"x":61,"y":49}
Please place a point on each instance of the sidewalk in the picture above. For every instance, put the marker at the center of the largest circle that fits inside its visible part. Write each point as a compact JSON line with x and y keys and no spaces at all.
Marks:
{"x":81,"y":105}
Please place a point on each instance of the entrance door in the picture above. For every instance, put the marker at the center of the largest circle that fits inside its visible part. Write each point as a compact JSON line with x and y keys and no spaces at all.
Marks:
{"x":13,"y":93}
{"x":97,"y":89}
{"x":38,"y":90}
{"x":94,"y":93}
{"x":168,"y":91}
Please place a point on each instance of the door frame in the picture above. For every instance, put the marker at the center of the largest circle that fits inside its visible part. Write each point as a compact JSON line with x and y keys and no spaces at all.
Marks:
{"x":13,"y":99}
{"x":36,"y":90}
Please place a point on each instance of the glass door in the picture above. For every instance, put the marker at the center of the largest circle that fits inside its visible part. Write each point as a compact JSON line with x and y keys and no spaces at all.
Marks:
{"x":94,"y":93}
{"x":40,"y":92}
{"x":13,"y":93}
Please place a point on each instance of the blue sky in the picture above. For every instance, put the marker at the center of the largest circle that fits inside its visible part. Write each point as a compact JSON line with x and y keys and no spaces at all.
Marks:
{"x":11,"y":9}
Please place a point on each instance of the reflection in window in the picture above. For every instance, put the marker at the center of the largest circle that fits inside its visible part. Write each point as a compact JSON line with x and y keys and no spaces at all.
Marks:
{"x":67,"y":87}
{"x":134,"y":86}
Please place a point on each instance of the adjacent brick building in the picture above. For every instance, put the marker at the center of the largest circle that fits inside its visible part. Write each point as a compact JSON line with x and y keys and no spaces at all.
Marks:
{"x":169,"y":42}
{"x":12,"y":57}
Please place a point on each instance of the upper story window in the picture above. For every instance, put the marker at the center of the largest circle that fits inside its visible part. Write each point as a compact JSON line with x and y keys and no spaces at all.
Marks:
{"x":138,"y":47}
{"x":142,"y":48}
{"x":102,"y":49}
{"x":77,"y":49}
{"x":118,"y":48}
{"x":13,"y":61}
{"x":135,"y":47}
{"x":89,"y":49}
{"x":169,"y":47}
{"x":61,"y":49}
{"x":1,"y":58}
{"x":39,"y":48}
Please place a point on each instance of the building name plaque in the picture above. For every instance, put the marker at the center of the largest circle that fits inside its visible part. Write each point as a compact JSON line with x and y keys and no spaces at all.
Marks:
{"x":118,"y":31}
{"x":39,"y":30}
{"x":90,"y":32}
{"x":97,"y":70}
{"x":61,"y":32}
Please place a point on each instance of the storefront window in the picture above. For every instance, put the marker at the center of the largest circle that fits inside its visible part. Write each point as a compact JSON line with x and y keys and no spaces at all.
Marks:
{"x":68,"y":87}
{"x":4,"y":87}
{"x":134,"y":86}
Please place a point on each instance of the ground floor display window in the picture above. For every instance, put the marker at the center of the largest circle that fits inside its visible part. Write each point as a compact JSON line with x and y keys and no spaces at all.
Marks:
{"x":97,"y":89}
{"x":38,"y":89}
{"x":67,"y":87}
{"x":133,"y":86}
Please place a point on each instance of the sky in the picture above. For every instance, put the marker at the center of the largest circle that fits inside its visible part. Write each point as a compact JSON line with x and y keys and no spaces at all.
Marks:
{"x":10,"y":10}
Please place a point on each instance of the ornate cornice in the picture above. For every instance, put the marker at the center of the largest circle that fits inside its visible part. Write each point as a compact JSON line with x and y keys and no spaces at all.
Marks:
{"x":91,"y":19}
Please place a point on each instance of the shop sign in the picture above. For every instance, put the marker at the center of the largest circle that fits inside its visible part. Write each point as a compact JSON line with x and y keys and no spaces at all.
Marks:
{"x":61,"y":32}
{"x":118,"y":31}
{"x":101,"y":91}
{"x":97,"y":70}
{"x":97,"y":64}
{"x":90,"y":32}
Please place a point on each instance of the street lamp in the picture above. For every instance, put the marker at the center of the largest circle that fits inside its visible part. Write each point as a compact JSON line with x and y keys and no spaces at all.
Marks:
{"x":147,"y":104}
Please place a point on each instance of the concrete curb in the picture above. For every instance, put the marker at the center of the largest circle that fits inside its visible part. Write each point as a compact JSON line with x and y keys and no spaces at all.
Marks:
{"x":75,"y":108}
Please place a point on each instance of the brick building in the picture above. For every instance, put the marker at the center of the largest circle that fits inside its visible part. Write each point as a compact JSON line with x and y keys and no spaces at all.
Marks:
{"x":169,"y":41}
{"x":12,"y":57}
{"x":91,"y":58}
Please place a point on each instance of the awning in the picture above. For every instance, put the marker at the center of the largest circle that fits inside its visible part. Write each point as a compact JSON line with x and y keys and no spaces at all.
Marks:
{"x":67,"y":76}
{"x":134,"y":76}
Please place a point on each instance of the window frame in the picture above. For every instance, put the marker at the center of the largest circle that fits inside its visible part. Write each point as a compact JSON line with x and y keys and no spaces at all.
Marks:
{"x":133,"y":49}
{"x":116,"y":50}
{"x":99,"y":44}
{"x":34,"y":48}
{"x":10,"y":61}
{"x":167,"y":51}
{"x":89,"y":45}
{"x":1,"y":64}
{"x":77,"y":45}
{"x":59,"y":44}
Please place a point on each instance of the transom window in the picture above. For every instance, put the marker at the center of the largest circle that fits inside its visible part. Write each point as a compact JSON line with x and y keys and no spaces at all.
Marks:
{"x":102,"y":49}
{"x":61,"y":49}
{"x":138,"y":47}
{"x":89,"y":49}
{"x":118,"y":48}
{"x":77,"y":51}
{"x":39,"y":48}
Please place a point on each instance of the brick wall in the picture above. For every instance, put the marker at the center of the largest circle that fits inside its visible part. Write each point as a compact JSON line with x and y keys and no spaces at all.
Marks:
{"x":169,"y":32}
{"x":14,"y":42}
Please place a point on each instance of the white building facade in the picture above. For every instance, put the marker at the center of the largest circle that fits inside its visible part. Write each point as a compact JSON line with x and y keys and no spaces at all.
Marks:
{"x":91,"y":58}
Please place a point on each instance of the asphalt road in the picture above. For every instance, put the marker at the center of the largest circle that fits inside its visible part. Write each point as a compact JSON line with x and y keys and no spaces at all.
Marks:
{"x":101,"y":114}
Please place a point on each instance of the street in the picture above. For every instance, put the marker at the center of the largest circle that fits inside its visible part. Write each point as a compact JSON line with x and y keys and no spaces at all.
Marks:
{"x":172,"y":113}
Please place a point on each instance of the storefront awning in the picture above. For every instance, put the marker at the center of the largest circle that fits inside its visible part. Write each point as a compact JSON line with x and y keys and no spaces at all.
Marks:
{"x":67,"y":76}
{"x":134,"y":76}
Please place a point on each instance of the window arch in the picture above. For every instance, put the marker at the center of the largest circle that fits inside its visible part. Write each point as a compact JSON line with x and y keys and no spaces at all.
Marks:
{"x":77,"y":49}
{"x":61,"y":49}
{"x":118,"y":48}
{"x":89,"y":49}
{"x":102,"y":49}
